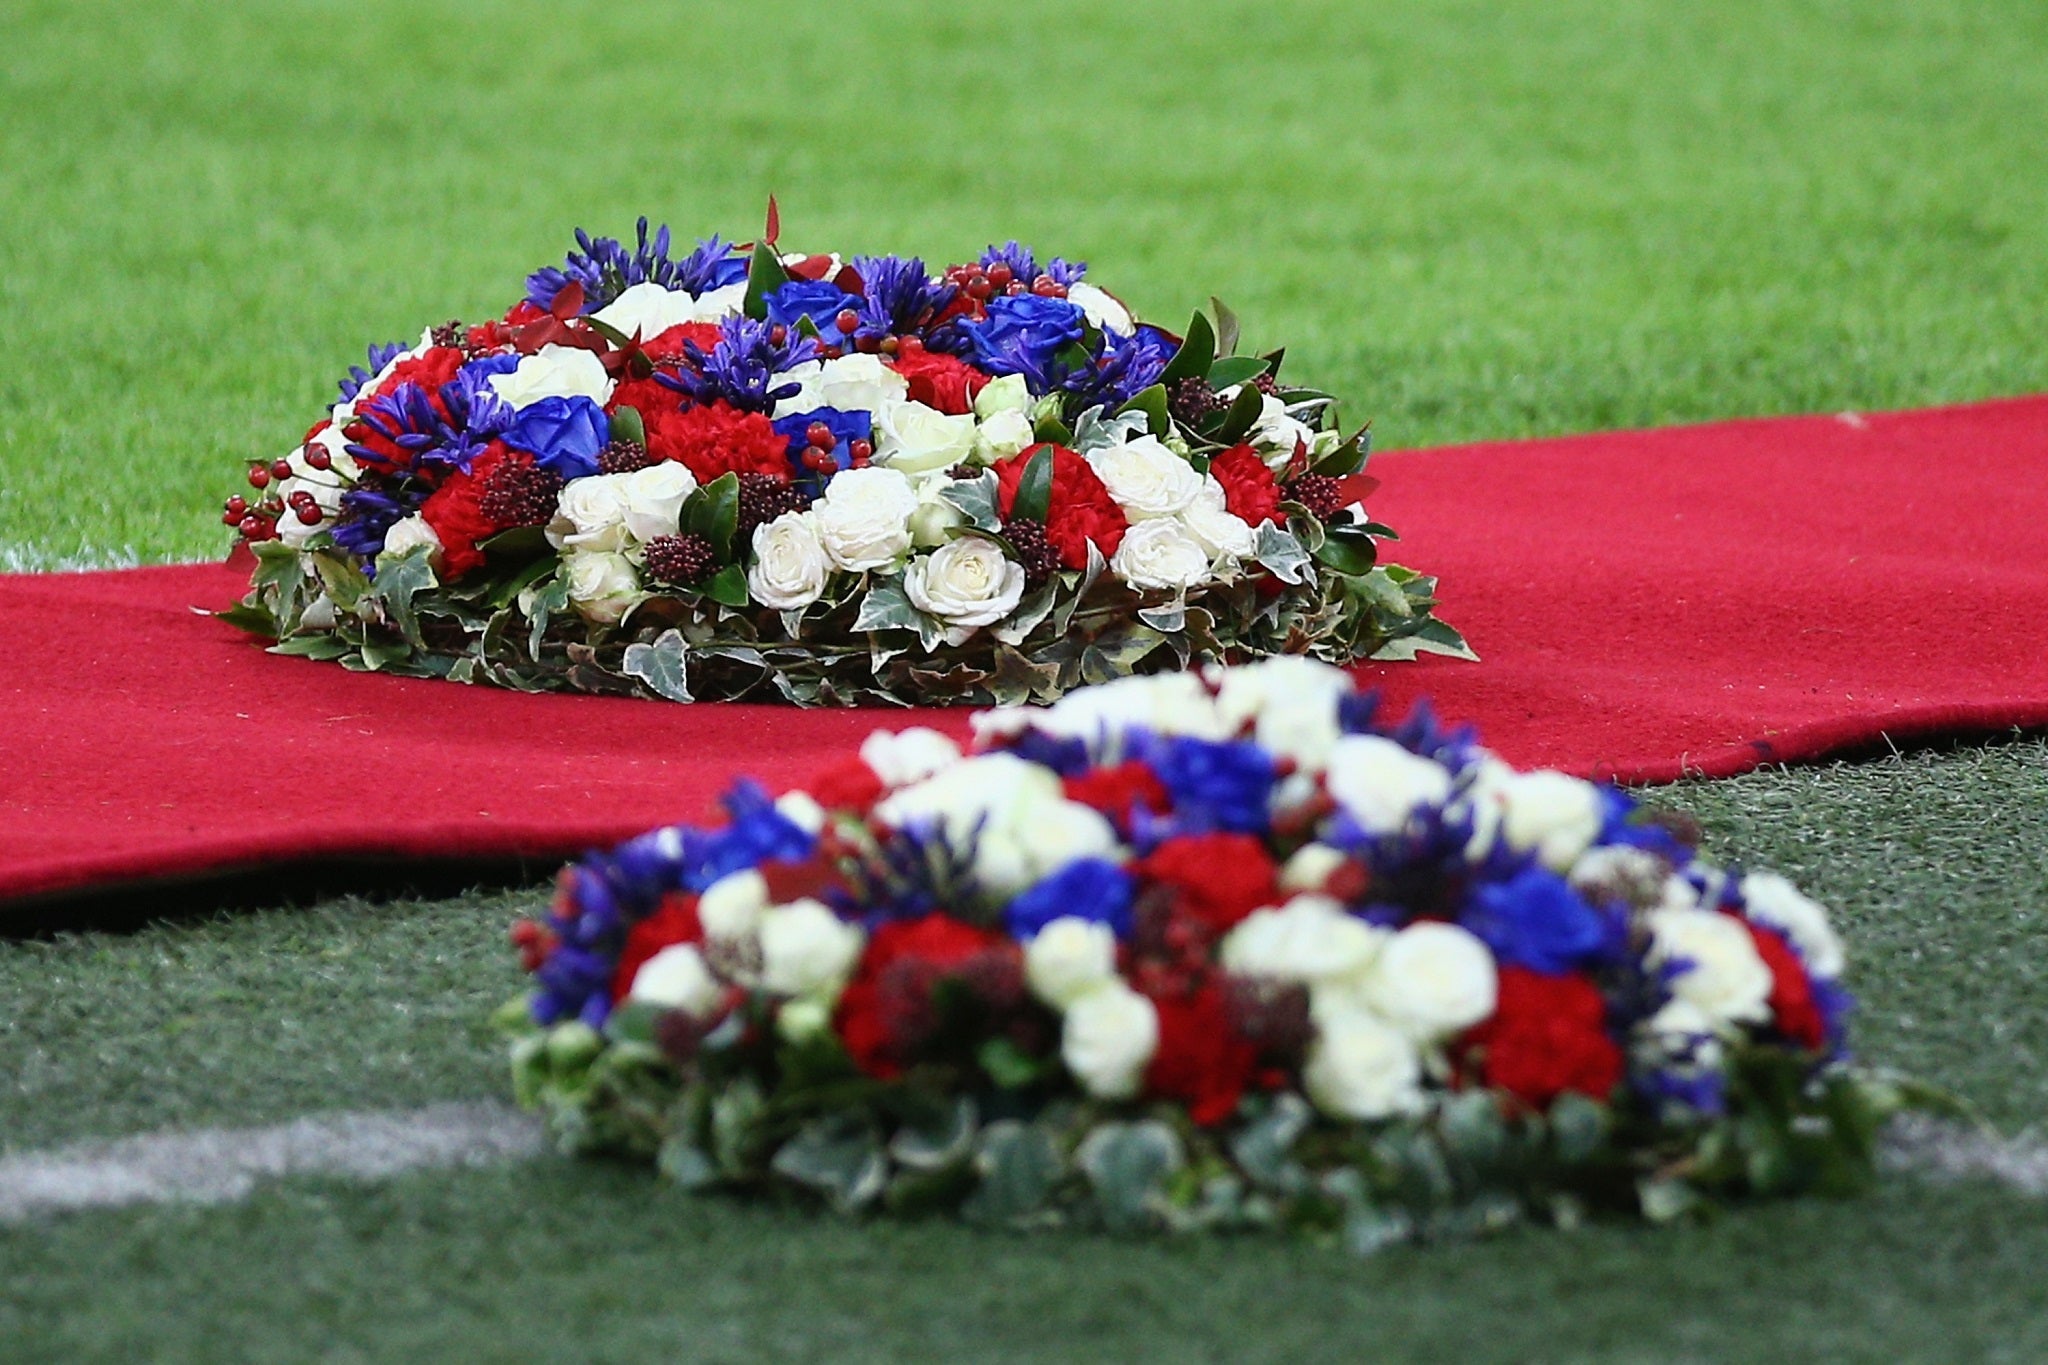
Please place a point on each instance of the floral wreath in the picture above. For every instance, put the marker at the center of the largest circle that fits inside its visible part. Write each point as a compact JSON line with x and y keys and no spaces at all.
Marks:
{"x":1201,"y":950}
{"x":750,"y":473}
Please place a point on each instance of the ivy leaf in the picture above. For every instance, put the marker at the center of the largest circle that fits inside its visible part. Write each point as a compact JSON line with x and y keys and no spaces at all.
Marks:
{"x":1018,"y":1166}
{"x":931,"y":1147}
{"x":246,"y":615}
{"x":1093,"y":431}
{"x":839,"y":1158}
{"x":974,"y":499}
{"x":1128,"y":1164}
{"x":765,"y":275}
{"x":1276,"y":548}
{"x":1196,"y":354}
{"x":886,"y":607}
{"x":1034,"y":490}
{"x":661,"y":665}
{"x":398,"y":582}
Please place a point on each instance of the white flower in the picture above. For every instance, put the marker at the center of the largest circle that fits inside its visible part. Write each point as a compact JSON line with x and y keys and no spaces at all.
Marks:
{"x":1220,"y":532}
{"x":1309,"y":939}
{"x":1726,"y":978}
{"x":1275,"y":433}
{"x":1101,"y":308}
{"x":1109,"y":1035}
{"x":325,"y":487}
{"x":864,"y":518}
{"x":590,"y":514}
{"x":1027,"y":827}
{"x":1068,"y":958}
{"x":907,"y":756}
{"x":967,"y":583}
{"x":807,"y":950}
{"x":1310,"y":868}
{"x":1004,"y":393}
{"x":1682,"y":1030}
{"x":1164,"y":703}
{"x":918,"y":439}
{"x":730,"y":908}
{"x":1291,"y":703}
{"x":1381,"y":784}
{"x":677,"y":979}
{"x":1552,"y":814}
{"x":933,"y":521}
{"x":412,"y":533}
{"x":802,"y":1018}
{"x":1002,"y":434}
{"x":602,"y":584}
{"x":1146,"y":478}
{"x":790,"y":566}
{"x":555,"y":372}
{"x":852,"y":383}
{"x":1359,"y":1068}
{"x":1431,"y":980}
{"x":802,"y":810}
{"x":1777,"y":904}
{"x":1160,"y":554}
{"x":648,"y":309}
{"x":653,"y":498}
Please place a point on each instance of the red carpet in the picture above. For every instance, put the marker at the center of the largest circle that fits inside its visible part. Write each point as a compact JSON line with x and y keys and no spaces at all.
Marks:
{"x":1646,"y":603}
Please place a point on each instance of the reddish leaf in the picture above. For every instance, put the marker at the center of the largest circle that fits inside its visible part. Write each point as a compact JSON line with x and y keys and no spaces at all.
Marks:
{"x":849,"y":279}
{"x":811,"y":268}
{"x":774,"y":222}
{"x":568,"y":302}
{"x":1355,"y":488}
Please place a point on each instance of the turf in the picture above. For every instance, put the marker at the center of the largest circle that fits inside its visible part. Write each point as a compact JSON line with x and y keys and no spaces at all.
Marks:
{"x":1476,"y":221}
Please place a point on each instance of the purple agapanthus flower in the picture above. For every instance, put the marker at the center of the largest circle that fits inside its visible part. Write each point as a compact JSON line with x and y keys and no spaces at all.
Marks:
{"x":741,"y":368}
{"x":898,"y":296}
{"x":606,"y":269}
{"x":367,"y":515}
{"x":380,"y":356}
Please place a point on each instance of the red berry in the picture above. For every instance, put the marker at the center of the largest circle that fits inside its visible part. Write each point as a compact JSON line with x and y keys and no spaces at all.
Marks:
{"x":1000,"y":274}
{"x":777,"y":334}
{"x":280,"y":469}
{"x":819,"y":461}
{"x":252,"y":527}
{"x":979,"y":287}
{"x":259,"y":477}
{"x":309,"y":513}
{"x":848,"y":321}
{"x":832,"y":352}
{"x":820,"y":435}
{"x":861,"y":451}
{"x":237,"y":506}
{"x":1046,"y":287}
{"x":889,"y":346}
{"x":317,"y":457}
{"x":230,"y":519}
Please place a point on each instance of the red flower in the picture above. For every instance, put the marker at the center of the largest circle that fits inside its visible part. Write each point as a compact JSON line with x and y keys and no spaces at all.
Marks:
{"x":675,"y":922}
{"x":716,"y":439}
{"x":668,"y":346}
{"x":430,"y":370}
{"x":1219,"y":878}
{"x":649,"y":397}
{"x":1116,"y":791}
{"x":886,"y":1010}
{"x":1249,"y":489}
{"x":1792,"y":1005}
{"x":1201,"y":1060}
{"x":939,"y":381}
{"x":849,"y":784}
{"x":524,"y":312}
{"x":1080,"y":510}
{"x":1547,"y":1036}
{"x":455,"y":511}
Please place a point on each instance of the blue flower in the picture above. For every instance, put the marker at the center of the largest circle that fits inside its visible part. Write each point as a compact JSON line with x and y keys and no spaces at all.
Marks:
{"x":820,"y":302}
{"x":758,"y":833}
{"x":900,"y":296}
{"x":564,"y":435}
{"x":713,"y":265}
{"x":368,"y":514}
{"x":1024,"y":334}
{"x":606,"y":269}
{"x":846,"y":428}
{"x":1226,"y":786}
{"x":742,"y":367}
{"x":1087,"y":888}
{"x":1535,"y":920}
{"x":357,"y":376}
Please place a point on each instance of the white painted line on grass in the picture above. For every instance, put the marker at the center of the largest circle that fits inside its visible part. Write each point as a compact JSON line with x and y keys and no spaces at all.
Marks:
{"x":219,"y":1165}
{"x":1956,"y":1151}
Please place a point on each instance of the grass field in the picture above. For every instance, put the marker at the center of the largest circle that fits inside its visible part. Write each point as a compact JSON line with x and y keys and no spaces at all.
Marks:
{"x":1480,"y":223}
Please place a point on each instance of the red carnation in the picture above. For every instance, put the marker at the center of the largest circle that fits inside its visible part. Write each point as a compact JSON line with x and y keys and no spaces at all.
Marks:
{"x":1117,"y":791}
{"x":668,"y":346}
{"x":1219,"y":878}
{"x":675,"y":922}
{"x":455,"y":511}
{"x":1080,"y":510}
{"x":849,"y":784}
{"x":886,"y":1009}
{"x":649,"y":397}
{"x":940,"y":381}
{"x":1249,"y":489}
{"x":1792,"y":1004}
{"x":430,"y":370}
{"x":1547,"y":1036}
{"x":716,"y":439}
{"x":1201,"y":1061}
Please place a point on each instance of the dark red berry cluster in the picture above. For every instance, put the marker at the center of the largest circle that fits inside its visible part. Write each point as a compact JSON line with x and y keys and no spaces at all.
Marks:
{"x":623,"y":457}
{"x":763,"y":498}
{"x":519,"y":494}
{"x":1318,"y":493}
{"x":1034,"y":551}
{"x":683,"y":560}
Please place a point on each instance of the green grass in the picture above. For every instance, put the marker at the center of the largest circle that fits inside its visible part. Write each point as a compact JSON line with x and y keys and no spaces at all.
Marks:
{"x":1473,"y":220}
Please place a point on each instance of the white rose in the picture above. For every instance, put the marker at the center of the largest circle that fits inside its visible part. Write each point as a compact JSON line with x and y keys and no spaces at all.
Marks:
{"x":325,"y":487}
{"x":1109,"y":1035}
{"x":1101,"y":308}
{"x":555,"y":372}
{"x":1164,"y":703}
{"x":802,"y":1018}
{"x":590,"y":514}
{"x":1777,"y":904}
{"x":1431,"y":980}
{"x":1381,"y":784}
{"x":907,"y":756}
{"x":730,"y":908}
{"x":1002,"y":434}
{"x":1276,"y":433}
{"x":1726,"y":978}
{"x":918,"y":439}
{"x":1022,"y":825}
{"x":677,"y":979}
{"x":1359,"y":1068}
{"x":1146,"y":479}
{"x":1309,"y":939}
{"x":1311,"y":868}
{"x":802,"y":810}
{"x":790,"y":567}
{"x":653,"y":498}
{"x":412,"y":533}
{"x":603,"y":585}
{"x":1683,"y":1031}
{"x":1068,"y":958}
{"x":1554,"y":815}
{"x":1004,"y":393}
{"x":864,"y":518}
{"x":1160,"y":554}
{"x":648,"y":309}
{"x":1289,"y":701}
{"x":1221,"y":532}
{"x":933,"y":521}
{"x":807,"y":950}
{"x":967,"y":583}
{"x":852,"y":383}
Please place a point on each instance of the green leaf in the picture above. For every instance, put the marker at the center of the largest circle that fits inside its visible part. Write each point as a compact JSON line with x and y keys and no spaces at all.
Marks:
{"x":1196,"y":354}
{"x":1128,"y":1164}
{"x":627,"y":425}
{"x":1034,"y":491}
{"x":398,"y":581}
{"x":931,"y":1147}
{"x":1009,"y":1066}
{"x":1578,"y":1127}
{"x":1235,"y":369}
{"x":1276,"y":548}
{"x":728,"y":586}
{"x":974,"y":499}
{"x":1019,"y":1166}
{"x":685,"y":1163}
{"x":1349,"y":554}
{"x":838,"y":1157}
{"x":1242,"y":413}
{"x":322,"y":646}
{"x":886,"y":607}
{"x":765,"y":275}
{"x":661,"y":665}
{"x":1264,"y":1148}
{"x":507,"y":592}
{"x":736,"y":1127}
{"x":517,"y":543}
{"x":713,"y":512}
{"x":1153,"y":403}
{"x":1227,"y":330}
{"x":342,"y":579}
{"x":248,"y":616}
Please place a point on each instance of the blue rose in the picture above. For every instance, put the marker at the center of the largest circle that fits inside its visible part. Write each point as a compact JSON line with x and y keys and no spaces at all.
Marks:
{"x":1023,"y":334}
{"x":820,"y":302}
{"x":1535,"y":920}
{"x":1215,"y":786}
{"x":563,"y":435}
{"x":1087,"y":888}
